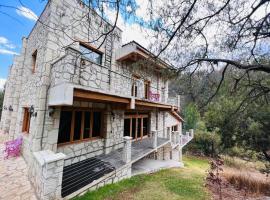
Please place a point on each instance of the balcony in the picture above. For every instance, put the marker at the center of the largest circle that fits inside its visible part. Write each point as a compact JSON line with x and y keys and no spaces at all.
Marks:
{"x":73,"y":71}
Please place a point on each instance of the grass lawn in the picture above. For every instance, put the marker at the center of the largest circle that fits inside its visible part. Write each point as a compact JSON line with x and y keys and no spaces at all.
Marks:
{"x":183,"y":183}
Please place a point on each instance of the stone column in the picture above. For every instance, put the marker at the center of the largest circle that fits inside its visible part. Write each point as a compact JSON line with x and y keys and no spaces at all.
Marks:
{"x":154,"y":139}
{"x":178,"y":137}
{"x":47,"y":172}
{"x":127,"y":149}
{"x":180,"y":154}
{"x":178,"y":101}
{"x":169,"y":133}
{"x":191,"y":131}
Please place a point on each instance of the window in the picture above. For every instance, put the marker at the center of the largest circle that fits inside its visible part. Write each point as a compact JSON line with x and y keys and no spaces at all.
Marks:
{"x":175,"y":128}
{"x":146,"y":89}
{"x":26,"y":120}
{"x":134,"y":87}
{"x":91,"y":53}
{"x":136,"y":125}
{"x":76,"y":125}
{"x":34,"y":60}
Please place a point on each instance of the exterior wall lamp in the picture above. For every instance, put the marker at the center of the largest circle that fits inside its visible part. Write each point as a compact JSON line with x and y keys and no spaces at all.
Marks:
{"x":51,"y":111}
{"x":32,"y":111}
{"x":10,"y":108}
{"x":113,"y":115}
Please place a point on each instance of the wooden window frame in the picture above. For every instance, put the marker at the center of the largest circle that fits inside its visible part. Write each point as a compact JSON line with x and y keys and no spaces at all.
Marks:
{"x":146,"y":89}
{"x":26,"y":120}
{"x":134,"y":86}
{"x":174,"y":127}
{"x":34,"y":61}
{"x":83,"y":110}
{"x":137,"y":116}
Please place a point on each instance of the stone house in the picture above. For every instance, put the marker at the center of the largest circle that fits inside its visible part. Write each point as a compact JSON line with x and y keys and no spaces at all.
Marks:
{"x":87,"y":111}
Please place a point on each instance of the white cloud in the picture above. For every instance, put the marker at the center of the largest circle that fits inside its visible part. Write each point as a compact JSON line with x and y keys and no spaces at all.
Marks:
{"x":8,"y":52}
{"x":2,"y":83}
{"x":130,"y":31}
{"x":5,"y":43}
{"x":26,"y":12}
{"x":3,"y":40}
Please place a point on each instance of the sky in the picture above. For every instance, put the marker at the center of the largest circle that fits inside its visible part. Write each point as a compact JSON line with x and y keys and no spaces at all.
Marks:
{"x":16,"y":21}
{"x":17,"y":18}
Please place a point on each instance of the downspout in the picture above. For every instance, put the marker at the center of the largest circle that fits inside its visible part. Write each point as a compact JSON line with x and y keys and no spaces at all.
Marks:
{"x":45,"y":111}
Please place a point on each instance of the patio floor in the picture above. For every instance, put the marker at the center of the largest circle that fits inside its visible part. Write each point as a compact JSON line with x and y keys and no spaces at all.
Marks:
{"x":14,"y":182}
{"x":149,"y":166}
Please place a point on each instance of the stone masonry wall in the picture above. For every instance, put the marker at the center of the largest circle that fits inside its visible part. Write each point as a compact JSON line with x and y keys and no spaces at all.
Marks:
{"x":113,"y":129}
{"x":70,"y":69}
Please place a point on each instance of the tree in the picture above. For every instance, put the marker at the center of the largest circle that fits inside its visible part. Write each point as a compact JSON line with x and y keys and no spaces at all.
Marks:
{"x":192,"y":116}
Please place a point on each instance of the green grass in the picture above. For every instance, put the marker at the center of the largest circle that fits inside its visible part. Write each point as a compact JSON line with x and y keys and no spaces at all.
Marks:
{"x":179,"y":183}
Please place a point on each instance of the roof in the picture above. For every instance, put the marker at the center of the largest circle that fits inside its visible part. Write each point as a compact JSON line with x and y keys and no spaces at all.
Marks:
{"x":146,"y":51}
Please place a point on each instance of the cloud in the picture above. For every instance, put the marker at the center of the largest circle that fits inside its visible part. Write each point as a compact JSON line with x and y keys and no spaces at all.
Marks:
{"x":6,"y":47}
{"x":8,"y":52}
{"x":131,"y":31}
{"x":3,"y":40}
{"x":5,"y":43}
{"x":2,"y":83}
{"x":27,"y":13}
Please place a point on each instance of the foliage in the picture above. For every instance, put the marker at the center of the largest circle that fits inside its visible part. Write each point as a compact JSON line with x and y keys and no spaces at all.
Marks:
{"x":179,"y":183}
{"x":205,"y":142}
{"x":191,"y":116}
{"x":243,"y":153}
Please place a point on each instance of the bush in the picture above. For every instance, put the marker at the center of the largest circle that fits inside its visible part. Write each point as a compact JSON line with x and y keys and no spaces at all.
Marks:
{"x":205,"y":142}
{"x":242,"y":153}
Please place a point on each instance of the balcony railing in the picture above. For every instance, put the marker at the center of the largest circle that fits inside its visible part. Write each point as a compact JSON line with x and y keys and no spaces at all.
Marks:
{"x":75,"y":69}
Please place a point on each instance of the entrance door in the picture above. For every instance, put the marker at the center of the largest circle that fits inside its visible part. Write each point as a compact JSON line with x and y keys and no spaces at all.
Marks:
{"x":136,"y":126}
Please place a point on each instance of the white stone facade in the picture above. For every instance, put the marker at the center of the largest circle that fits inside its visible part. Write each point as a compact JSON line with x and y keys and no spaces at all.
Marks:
{"x":59,"y":65}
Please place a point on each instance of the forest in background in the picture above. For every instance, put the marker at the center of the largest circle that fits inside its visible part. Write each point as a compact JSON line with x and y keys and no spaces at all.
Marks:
{"x":225,"y":119}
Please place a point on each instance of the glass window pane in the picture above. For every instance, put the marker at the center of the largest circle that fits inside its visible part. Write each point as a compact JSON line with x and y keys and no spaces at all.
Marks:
{"x":86,"y":132}
{"x":127,"y":127}
{"x":64,"y":127}
{"x":77,"y":125}
{"x":139,"y":128}
{"x":91,"y":55}
{"x":96,"y":124}
{"x":133,"y":135}
{"x":145,"y":126}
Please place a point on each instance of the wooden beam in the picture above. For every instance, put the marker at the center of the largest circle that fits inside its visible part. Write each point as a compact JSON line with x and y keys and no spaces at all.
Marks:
{"x":89,"y":95}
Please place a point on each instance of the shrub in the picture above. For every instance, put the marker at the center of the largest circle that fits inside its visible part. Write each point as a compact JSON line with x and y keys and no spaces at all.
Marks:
{"x":242,"y":153}
{"x":205,"y":142}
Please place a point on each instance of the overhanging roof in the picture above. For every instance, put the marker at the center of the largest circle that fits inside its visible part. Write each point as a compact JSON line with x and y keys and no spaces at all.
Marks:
{"x":133,"y":51}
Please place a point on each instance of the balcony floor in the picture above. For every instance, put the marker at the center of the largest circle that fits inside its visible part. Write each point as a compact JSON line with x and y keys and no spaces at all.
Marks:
{"x":139,"y":149}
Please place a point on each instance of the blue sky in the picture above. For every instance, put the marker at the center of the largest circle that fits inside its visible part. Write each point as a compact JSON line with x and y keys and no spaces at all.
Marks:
{"x":14,"y":25}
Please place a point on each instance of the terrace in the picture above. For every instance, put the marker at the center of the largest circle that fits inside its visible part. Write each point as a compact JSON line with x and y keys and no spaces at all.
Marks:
{"x":94,"y":168}
{"x":74,"y":71}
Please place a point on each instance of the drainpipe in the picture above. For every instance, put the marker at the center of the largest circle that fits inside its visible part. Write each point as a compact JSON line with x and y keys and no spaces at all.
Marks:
{"x":44,"y":116}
